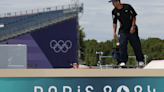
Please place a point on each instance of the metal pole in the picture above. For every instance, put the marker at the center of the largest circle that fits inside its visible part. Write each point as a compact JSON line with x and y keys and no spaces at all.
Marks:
{"x":106,"y":66}
{"x":136,"y":61}
{"x":100,"y":61}
{"x":145,"y":56}
{"x":145,"y":59}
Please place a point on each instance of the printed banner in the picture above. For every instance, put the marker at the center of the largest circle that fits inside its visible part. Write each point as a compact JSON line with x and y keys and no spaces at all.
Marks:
{"x":51,"y":47}
{"x":82,"y":84}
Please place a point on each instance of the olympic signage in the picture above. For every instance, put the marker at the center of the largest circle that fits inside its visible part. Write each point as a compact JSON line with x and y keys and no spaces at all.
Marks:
{"x":82,"y":84}
{"x":60,"y":45}
{"x":89,"y":88}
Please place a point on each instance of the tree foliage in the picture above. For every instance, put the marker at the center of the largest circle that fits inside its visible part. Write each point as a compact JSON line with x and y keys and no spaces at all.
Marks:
{"x":81,"y":41}
{"x":152,"y":47}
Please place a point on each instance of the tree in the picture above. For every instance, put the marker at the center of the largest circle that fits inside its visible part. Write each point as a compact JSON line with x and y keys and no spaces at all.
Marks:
{"x":154,"y":49}
{"x":91,"y":46}
{"x":90,"y":52}
{"x":81,"y":41}
{"x":107,"y":48}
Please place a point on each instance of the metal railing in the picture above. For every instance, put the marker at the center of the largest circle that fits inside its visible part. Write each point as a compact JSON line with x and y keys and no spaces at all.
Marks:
{"x":101,"y":66}
{"x":41,"y":10}
{"x":67,"y":13}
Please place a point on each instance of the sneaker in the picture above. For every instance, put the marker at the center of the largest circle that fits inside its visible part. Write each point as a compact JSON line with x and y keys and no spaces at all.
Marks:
{"x":122,"y":64}
{"x":140,"y":63}
{"x":118,"y":44}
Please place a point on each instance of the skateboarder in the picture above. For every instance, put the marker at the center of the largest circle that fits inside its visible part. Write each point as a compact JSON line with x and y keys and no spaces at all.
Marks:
{"x":128,"y":30}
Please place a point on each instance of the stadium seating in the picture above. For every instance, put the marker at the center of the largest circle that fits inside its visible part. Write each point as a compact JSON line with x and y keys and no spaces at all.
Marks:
{"x":18,"y":25}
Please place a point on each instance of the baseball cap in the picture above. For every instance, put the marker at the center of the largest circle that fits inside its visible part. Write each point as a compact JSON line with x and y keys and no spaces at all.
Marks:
{"x":112,"y":1}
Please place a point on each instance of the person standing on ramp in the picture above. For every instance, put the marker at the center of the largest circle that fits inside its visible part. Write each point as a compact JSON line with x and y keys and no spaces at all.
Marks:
{"x":128,"y":31}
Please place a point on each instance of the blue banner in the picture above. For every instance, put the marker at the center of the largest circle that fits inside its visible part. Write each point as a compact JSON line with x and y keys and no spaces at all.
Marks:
{"x":50,"y":47}
{"x":82,"y":84}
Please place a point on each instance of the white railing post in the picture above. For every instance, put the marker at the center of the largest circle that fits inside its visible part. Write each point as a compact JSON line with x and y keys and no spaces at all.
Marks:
{"x":145,"y":56}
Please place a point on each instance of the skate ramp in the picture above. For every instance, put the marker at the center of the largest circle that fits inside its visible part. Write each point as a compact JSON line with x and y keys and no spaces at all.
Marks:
{"x":155,"y":64}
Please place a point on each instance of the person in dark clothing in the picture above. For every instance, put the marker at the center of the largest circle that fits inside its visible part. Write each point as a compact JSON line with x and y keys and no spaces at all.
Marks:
{"x":128,"y":31}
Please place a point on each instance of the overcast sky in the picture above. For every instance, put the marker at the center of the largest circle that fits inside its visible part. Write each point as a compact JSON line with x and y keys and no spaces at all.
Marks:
{"x":97,"y":18}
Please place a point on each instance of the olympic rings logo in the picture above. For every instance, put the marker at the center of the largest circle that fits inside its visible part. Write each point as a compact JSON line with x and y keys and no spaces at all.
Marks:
{"x":60,"y":45}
